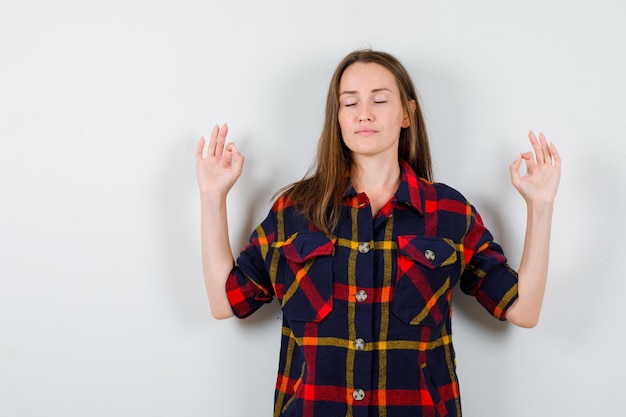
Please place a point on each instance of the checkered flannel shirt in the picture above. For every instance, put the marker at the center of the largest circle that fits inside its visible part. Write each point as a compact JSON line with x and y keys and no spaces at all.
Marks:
{"x":366,"y":311}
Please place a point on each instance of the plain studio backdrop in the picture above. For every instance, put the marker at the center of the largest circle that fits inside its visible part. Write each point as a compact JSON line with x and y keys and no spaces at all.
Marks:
{"x":103,"y":310}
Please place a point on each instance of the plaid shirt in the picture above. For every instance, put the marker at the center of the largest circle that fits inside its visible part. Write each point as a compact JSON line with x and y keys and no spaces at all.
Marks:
{"x":366,"y":311}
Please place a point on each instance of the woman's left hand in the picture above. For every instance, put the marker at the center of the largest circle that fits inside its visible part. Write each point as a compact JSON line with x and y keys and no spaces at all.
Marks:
{"x":543,"y":171}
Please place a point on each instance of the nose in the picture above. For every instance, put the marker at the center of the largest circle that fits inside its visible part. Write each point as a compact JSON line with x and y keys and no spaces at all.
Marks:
{"x":365,"y":113}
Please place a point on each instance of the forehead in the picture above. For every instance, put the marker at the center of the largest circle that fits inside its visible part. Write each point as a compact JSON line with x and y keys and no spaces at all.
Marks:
{"x":366,"y":77}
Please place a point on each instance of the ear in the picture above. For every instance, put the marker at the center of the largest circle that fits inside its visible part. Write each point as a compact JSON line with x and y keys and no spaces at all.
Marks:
{"x":408,"y":115}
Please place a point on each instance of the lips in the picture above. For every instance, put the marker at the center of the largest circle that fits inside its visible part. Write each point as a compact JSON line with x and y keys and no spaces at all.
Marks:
{"x":366,"y":132}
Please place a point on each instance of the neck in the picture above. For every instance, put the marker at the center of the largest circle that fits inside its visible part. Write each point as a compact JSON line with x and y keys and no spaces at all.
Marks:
{"x":376,"y":178}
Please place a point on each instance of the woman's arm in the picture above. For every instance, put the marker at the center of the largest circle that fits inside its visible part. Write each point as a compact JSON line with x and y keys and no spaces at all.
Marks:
{"x":216,"y":174}
{"x":538,"y":187}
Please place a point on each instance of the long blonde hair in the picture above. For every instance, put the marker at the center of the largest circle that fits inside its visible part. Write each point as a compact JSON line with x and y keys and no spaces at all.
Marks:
{"x":319,"y":194}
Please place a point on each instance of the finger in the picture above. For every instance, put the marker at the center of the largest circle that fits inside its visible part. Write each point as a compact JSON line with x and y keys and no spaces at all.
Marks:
{"x":539,"y":156}
{"x":529,"y":160}
{"x":213,"y":141}
{"x":221,"y":139}
{"x":514,"y":168}
{"x":543,"y":142}
{"x":556,"y":157}
{"x":232,"y":159}
{"x":200,"y":148}
{"x":237,"y":161}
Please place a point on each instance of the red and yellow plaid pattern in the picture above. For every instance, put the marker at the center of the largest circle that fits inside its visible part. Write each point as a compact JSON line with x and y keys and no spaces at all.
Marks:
{"x":366,"y":311}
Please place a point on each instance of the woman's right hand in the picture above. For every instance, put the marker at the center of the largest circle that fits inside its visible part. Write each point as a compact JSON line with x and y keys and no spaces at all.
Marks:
{"x":220,"y":169}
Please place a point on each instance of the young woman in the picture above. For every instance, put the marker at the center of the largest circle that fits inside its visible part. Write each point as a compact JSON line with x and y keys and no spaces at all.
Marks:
{"x":363,"y":254}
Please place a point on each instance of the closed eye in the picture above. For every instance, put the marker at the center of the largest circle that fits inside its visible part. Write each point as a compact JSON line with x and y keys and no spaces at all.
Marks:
{"x":379,"y":98}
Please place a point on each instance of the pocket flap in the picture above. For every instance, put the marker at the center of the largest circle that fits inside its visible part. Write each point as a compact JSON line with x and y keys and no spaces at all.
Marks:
{"x":302,"y":246}
{"x":428,"y":251}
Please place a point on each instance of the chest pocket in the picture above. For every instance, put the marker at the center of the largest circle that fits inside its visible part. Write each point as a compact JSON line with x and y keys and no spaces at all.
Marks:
{"x":425,"y":270}
{"x":306,"y":278}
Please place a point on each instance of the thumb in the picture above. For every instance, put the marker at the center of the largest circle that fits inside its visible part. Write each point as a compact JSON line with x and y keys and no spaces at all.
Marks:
{"x":237,"y":161}
{"x":514,"y":168}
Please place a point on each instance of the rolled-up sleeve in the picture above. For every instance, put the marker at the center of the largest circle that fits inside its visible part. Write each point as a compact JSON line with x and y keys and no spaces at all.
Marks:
{"x":487,"y":275}
{"x":249,"y":285}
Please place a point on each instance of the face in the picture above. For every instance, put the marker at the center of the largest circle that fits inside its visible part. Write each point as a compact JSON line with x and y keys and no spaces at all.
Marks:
{"x":371,"y":113}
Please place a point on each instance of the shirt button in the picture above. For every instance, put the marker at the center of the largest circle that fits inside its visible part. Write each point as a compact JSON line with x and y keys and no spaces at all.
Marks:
{"x":359,"y":344}
{"x":361,"y":296}
{"x":358,"y":394}
{"x":364,"y":247}
{"x":430,"y":255}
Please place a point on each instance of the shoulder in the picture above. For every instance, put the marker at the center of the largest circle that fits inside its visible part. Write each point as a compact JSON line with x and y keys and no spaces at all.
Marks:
{"x":440,"y":191}
{"x":282,"y":202}
{"x":427,"y":190}
{"x":288,"y":215}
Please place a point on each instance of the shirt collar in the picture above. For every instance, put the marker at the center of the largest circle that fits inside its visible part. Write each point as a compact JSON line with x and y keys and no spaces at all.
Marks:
{"x":408,"y":191}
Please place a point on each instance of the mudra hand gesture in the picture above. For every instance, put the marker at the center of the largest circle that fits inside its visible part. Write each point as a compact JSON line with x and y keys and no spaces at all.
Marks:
{"x":543,"y":172}
{"x":220,"y":169}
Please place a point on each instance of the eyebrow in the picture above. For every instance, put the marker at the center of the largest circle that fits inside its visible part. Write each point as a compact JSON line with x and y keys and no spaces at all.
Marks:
{"x":376,"y":90}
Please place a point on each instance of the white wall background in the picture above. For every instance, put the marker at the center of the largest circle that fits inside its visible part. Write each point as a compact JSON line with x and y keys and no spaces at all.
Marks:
{"x":102,"y":303}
